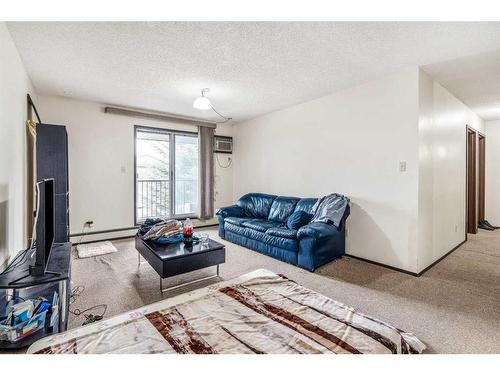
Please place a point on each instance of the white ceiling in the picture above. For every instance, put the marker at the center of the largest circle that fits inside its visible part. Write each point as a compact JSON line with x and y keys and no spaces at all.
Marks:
{"x":251,"y":68}
{"x":473,"y":79}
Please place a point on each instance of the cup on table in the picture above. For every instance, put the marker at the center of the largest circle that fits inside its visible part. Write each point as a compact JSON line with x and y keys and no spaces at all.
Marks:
{"x":204,"y":239}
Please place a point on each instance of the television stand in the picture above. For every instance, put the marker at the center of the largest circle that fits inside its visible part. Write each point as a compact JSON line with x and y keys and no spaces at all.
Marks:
{"x":20,"y":283}
{"x":31,"y":273}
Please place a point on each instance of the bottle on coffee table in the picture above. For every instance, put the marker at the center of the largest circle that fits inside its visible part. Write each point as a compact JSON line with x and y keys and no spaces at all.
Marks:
{"x":187,"y":231}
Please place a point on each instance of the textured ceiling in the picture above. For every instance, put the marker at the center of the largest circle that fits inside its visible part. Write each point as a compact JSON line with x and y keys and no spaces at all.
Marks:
{"x":251,"y":68}
{"x":473,"y":79}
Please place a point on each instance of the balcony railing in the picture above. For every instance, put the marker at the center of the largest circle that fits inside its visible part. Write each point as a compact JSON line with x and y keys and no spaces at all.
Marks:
{"x":153,"y":198}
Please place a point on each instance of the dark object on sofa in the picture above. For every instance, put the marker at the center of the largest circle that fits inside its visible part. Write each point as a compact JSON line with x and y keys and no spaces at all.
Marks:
{"x":260,"y":222}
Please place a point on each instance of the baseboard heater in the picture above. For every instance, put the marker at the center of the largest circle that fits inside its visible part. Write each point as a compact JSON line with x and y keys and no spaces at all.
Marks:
{"x":86,"y":234}
{"x":103,"y":231}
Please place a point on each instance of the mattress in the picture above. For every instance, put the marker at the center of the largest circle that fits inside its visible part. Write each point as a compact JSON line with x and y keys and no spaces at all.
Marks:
{"x":260,"y":312}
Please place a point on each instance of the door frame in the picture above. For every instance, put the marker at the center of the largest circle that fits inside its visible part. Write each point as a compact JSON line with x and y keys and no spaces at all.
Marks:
{"x":481,"y":178}
{"x":470,"y":181}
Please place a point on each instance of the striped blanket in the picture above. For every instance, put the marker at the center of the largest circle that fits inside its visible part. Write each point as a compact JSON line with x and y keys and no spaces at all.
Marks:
{"x":260,"y":312}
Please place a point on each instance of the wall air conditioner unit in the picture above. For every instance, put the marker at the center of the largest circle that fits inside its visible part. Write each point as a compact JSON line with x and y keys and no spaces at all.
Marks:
{"x":223,"y":145}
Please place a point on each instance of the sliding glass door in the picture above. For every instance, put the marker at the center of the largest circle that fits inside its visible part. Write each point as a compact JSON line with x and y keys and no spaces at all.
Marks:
{"x":166,"y":174}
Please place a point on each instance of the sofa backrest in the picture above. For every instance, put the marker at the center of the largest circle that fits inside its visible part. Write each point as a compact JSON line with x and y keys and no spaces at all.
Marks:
{"x":281,"y":208}
{"x":256,"y":205}
{"x":306,"y":204}
{"x":272,"y":207}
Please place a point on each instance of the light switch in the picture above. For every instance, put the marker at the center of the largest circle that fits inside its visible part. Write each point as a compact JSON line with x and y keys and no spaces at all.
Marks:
{"x":402,"y":166}
{"x":122,"y":169}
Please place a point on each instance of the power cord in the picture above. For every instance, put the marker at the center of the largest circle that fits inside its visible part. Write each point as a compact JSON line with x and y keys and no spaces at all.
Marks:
{"x":83,"y":234}
{"x":226,"y":119}
{"x":75,"y":293}
{"x":223,"y":166}
{"x":89,"y":318}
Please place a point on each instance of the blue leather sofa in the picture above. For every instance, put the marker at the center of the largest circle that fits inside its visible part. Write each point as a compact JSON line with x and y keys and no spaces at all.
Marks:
{"x":259,"y":222}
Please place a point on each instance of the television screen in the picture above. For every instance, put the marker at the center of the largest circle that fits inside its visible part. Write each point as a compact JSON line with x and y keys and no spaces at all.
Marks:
{"x":45,"y":223}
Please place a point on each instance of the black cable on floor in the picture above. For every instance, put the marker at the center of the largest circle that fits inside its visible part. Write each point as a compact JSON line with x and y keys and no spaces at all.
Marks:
{"x":89,"y":318}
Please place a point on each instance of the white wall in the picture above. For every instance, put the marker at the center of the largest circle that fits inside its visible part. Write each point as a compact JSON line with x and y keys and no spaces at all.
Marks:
{"x":101,"y":162}
{"x":14,"y":85}
{"x":350,"y":142}
{"x":442,"y":152}
{"x":492,"y":199}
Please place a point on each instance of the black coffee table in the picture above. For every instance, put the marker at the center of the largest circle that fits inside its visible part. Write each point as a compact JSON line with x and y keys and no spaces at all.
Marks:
{"x":176,"y":259}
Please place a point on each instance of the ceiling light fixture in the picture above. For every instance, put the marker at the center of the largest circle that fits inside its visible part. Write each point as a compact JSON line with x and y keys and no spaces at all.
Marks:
{"x":203,"y":103}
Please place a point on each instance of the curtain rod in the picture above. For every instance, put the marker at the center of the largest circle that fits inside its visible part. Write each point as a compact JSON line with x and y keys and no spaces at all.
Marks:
{"x":160,"y":116}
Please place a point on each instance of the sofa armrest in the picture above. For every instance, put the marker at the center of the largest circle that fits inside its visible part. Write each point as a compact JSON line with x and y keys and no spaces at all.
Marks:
{"x":222,"y":213}
{"x":234,"y":211}
{"x":319,"y":243}
{"x":317,"y":231}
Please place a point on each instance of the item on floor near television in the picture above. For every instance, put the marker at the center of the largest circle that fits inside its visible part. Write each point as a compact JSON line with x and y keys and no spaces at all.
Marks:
{"x":44,"y":317}
{"x":260,"y":222}
{"x":260,"y":312}
{"x":187,"y":231}
{"x":88,"y":250}
{"x":176,"y":259}
{"x":90,"y":317}
{"x":484,"y":224}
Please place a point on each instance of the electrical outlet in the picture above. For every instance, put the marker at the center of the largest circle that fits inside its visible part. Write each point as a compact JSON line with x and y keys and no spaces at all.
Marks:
{"x":456,"y":228}
{"x":347,"y":232}
{"x":402,"y":166}
{"x":89,"y":223}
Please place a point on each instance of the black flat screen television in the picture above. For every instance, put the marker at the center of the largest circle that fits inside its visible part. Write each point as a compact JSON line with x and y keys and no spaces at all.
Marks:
{"x":45,"y":224}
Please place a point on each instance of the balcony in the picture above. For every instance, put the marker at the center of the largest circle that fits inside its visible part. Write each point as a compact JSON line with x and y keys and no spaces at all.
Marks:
{"x":153,"y":198}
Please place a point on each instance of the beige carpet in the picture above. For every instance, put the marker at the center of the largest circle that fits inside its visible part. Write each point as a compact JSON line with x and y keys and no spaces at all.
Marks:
{"x":453,"y":308}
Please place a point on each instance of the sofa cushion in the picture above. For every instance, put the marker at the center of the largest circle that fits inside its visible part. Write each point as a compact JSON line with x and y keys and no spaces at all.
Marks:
{"x":257,"y":204}
{"x":282,"y":232}
{"x":298,"y":219}
{"x":306,"y":204}
{"x":263,"y":248}
{"x":236,"y":220}
{"x":260,"y":224}
{"x":281,"y":208}
{"x":281,"y":242}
